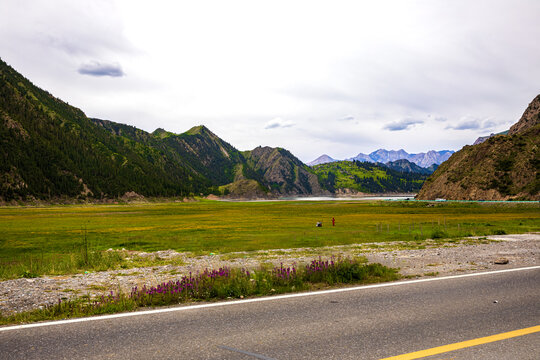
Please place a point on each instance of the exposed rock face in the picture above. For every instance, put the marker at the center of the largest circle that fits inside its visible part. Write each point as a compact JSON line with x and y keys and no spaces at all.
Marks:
{"x":384,"y":156}
{"x":504,"y":167}
{"x":481,"y":139}
{"x":529,"y":119}
{"x":431,"y":157}
{"x":283,"y":171}
{"x":404,"y":165}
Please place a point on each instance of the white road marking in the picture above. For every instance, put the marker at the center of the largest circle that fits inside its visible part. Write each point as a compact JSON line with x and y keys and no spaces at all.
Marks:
{"x":258,"y":299}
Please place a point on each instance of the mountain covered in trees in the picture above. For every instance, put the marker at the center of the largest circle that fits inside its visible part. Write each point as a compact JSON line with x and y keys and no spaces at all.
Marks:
{"x":366,"y":177}
{"x":503,"y":167}
{"x":51,"y":150}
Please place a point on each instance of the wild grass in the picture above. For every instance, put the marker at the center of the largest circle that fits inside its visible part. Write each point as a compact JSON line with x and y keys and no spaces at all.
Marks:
{"x":215,"y":284}
{"x":71,"y":239}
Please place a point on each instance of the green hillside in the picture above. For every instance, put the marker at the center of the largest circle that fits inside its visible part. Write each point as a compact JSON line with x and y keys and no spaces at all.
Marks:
{"x":51,"y":150}
{"x":198,"y":150}
{"x":367,"y":177}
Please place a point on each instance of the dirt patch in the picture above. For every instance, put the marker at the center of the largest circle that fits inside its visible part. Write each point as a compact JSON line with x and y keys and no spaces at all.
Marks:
{"x":414,"y":259}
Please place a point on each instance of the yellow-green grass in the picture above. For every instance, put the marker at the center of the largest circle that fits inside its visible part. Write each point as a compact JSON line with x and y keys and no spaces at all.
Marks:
{"x":35,"y":239}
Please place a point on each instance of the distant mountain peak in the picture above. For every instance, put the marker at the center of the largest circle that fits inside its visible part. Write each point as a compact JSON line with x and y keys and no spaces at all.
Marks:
{"x":199,"y":129}
{"x":162,"y":133}
{"x":323,"y":159}
{"x":421,"y":159}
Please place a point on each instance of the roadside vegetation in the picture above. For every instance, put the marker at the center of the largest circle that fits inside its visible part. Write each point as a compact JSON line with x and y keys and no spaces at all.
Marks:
{"x":216,"y":284}
{"x":71,"y":239}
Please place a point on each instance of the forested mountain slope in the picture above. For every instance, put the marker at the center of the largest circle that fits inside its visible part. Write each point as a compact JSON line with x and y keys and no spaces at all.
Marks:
{"x":367,"y":178}
{"x":51,"y":149}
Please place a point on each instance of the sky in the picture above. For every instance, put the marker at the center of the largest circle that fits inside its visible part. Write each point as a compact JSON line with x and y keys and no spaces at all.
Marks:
{"x":314,"y":77}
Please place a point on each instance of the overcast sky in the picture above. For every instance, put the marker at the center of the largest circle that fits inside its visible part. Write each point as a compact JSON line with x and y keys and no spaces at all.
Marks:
{"x":314,"y":77}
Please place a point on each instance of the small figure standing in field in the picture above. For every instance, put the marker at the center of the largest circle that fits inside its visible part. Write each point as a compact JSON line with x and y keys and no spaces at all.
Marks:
{"x":333,"y":222}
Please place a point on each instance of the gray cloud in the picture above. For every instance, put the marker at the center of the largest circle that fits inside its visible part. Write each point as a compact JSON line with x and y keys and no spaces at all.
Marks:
{"x":404,"y":124}
{"x":468,"y":123}
{"x":278,"y":123}
{"x":96,"y":68}
{"x":347,"y":118}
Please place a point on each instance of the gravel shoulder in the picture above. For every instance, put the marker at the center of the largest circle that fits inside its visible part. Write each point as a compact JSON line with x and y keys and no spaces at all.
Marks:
{"x":414,"y":259}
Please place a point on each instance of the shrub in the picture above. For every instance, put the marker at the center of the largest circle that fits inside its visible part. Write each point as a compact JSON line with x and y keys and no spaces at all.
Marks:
{"x":439,"y":234}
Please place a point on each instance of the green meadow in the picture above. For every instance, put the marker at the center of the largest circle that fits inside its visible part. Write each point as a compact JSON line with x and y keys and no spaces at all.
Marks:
{"x":66,"y":239}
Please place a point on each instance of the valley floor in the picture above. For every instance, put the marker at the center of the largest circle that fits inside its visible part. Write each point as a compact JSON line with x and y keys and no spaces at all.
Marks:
{"x":413,"y":258}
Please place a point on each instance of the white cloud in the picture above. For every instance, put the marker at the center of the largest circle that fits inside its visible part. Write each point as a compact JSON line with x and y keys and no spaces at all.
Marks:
{"x":469,"y":122}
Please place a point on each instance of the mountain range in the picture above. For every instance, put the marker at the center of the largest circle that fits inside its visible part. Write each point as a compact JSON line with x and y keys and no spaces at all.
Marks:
{"x":384,"y":156}
{"x":51,"y":150}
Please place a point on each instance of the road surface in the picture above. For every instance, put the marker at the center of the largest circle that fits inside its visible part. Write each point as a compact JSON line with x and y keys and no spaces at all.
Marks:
{"x":367,"y":323}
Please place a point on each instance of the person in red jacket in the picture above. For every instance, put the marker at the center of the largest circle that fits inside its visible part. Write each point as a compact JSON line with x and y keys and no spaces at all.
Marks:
{"x":333,"y":222}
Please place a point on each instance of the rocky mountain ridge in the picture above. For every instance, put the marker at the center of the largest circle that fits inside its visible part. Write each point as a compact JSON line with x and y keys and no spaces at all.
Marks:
{"x":384,"y":156}
{"x":405,"y":165}
{"x":421,"y":159}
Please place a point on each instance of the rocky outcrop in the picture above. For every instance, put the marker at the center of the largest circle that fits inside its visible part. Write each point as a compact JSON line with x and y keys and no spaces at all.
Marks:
{"x":282,"y":172}
{"x":530,"y":118}
{"x":481,"y":139}
{"x":404,"y":165}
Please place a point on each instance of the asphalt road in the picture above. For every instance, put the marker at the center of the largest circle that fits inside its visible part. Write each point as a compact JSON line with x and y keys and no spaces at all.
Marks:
{"x":370,"y":323}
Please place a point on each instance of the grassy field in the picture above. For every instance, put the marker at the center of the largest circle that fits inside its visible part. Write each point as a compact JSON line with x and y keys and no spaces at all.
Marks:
{"x":63,"y":239}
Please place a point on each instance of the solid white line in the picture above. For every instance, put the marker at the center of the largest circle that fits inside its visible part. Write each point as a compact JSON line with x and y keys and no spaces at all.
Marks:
{"x":260,"y":299}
